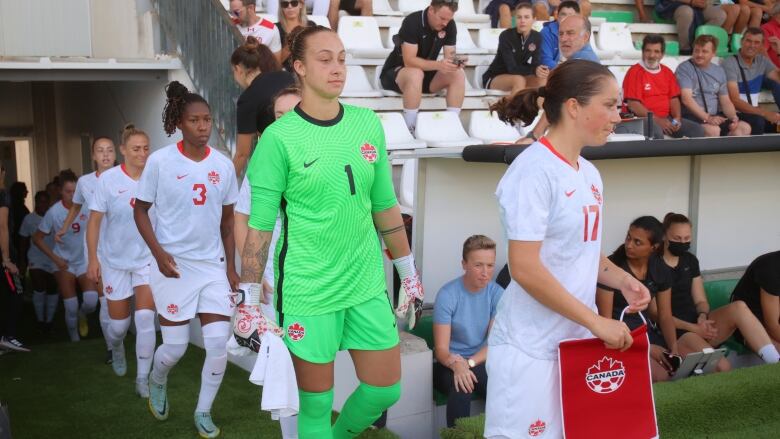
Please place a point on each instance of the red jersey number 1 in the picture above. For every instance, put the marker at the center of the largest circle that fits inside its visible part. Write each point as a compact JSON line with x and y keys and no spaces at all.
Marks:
{"x":587,"y":211}
{"x":200,"y":200}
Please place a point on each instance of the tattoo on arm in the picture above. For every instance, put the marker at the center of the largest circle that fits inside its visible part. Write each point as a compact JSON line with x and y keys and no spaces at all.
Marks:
{"x":391,"y":231}
{"x":255,"y":255}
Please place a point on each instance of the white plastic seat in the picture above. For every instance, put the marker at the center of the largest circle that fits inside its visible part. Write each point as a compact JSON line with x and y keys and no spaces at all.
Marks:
{"x":490,"y":129}
{"x":619,"y":72}
{"x":442,"y":129}
{"x":488,"y":39}
{"x":397,"y":135}
{"x":604,"y":55}
{"x":478,"y":72}
{"x":361,"y":37}
{"x":472,"y":91}
{"x":320,"y":20}
{"x":407,"y":6}
{"x":406,"y":186}
{"x":357,"y":84}
{"x":392,"y":31}
{"x":467,"y":14}
{"x":464,"y":44}
{"x":382,"y":7}
{"x":616,"y":38}
{"x":671,"y":61}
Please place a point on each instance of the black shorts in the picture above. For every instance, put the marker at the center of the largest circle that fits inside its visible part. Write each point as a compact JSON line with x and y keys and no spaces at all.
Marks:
{"x":655,"y":337}
{"x":387,"y":80}
{"x":350,"y":6}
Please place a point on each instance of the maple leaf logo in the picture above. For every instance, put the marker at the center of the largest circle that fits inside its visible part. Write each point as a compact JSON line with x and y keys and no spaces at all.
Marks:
{"x":296,"y":331}
{"x":172,"y":309}
{"x":606,"y":376}
{"x":369,"y":152}
{"x":213,"y":177}
{"x":537,"y":428}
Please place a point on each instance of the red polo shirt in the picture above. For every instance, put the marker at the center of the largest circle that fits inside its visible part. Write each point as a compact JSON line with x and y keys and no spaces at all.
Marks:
{"x":653,"y":90}
{"x":771,"y":29}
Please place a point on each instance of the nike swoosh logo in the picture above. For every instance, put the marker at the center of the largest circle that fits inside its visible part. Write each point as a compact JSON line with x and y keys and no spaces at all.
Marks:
{"x":569,"y":194}
{"x":179,"y":177}
{"x":306,"y":165}
{"x":205,"y":429}
{"x":216,"y":374}
{"x":122,"y":192}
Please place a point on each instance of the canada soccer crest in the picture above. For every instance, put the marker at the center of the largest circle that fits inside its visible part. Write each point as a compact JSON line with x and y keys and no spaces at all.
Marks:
{"x":82,"y":217}
{"x":537,"y":428}
{"x":606,"y":376}
{"x":596,"y":193}
{"x":172,"y":309}
{"x":369,"y":152}
{"x":296,"y":331}
{"x":213,"y":177}
{"x":109,"y":289}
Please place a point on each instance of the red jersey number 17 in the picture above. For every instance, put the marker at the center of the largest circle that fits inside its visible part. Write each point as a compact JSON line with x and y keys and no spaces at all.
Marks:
{"x":588,"y":211}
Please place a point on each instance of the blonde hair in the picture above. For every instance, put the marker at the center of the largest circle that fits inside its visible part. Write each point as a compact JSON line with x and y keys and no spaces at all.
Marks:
{"x":477,"y":242}
{"x":129,"y":131}
{"x":301,"y":15}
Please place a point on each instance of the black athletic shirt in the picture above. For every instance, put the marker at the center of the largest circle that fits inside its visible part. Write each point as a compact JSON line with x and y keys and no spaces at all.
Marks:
{"x":683,"y":306}
{"x":415,"y":30}
{"x":516,"y":55}
{"x":658,"y":278}
{"x":255,"y":105}
{"x":762,"y":274}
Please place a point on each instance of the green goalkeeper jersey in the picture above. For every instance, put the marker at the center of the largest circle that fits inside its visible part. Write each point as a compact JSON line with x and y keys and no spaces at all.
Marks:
{"x":326,"y":178}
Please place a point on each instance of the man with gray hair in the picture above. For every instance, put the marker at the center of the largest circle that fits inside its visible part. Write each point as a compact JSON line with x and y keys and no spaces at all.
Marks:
{"x":574,"y":39}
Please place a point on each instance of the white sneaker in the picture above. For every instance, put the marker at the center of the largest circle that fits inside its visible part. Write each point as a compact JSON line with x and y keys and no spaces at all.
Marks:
{"x":119,"y":362}
{"x":13,"y":344}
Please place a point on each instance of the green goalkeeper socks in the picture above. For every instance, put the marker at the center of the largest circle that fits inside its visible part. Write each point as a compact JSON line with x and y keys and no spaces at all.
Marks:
{"x":314,"y":415}
{"x":363,"y":407}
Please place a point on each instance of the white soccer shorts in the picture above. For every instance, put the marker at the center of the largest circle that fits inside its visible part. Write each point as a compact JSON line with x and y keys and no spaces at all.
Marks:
{"x":201,"y":288}
{"x":119,"y":284}
{"x":523,"y":395}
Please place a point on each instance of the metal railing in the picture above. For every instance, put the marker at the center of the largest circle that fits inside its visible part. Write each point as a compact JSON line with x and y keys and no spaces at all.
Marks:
{"x":205,"y":37}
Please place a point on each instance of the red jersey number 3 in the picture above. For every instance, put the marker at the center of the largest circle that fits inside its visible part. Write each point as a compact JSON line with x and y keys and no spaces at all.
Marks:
{"x":200,"y":190}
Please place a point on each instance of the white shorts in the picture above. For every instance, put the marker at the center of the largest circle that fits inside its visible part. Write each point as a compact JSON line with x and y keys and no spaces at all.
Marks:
{"x":119,"y":284}
{"x":523,"y":395}
{"x":48,"y":267}
{"x":202,"y":288}
{"x":77,"y":268}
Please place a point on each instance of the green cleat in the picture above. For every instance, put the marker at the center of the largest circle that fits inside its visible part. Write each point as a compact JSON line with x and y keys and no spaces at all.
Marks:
{"x":205,"y":425}
{"x":158,"y":400}
{"x":119,"y":361}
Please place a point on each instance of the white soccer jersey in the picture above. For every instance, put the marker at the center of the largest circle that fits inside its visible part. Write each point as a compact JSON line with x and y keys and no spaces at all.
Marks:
{"x":121,"y":246}
{"x":543,"y":198}
{"x":188,"y":196}
{"x":35,"y":257}
{"x":244,"y":205}
{"x":265,"y":32}
{"x":85,"y":190}
{"x":72,"y":248}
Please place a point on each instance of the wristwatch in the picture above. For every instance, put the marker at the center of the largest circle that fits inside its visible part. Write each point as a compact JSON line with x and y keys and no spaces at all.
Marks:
{"x":472,"y":363}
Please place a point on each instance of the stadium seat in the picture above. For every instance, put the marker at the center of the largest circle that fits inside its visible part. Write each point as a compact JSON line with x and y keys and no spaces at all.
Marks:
{"x":472,"y":91}
{"x":489,"y":129}
{"x":465,"y":44}
{"x":478,"y":72}
{"x":382,"y":7}
{"x":397,"y":135}
{"x":361,"y":37}
{"x":620,"y":73}
{"x":615,"y":16}
{"x":736,"y":42}
{"x":719,"y":33}
{"x":719,"y":292}
{"x":604,"y":55}
{"x":442,"y":129}
{"x":467,"y":14}
{"x":671,"y":61}
{"x":672,"y":47}
{"x":391,"y":32}
{"x":320,"y":20}
{"x":407,"y":6}
{"x":406,"y":186}
{"x":358,"y":85}
{"x":488,"y":39}
{"x":616,"y":37}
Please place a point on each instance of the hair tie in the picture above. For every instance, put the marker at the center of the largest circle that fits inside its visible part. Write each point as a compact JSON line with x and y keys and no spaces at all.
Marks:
{"x":542,"y":91}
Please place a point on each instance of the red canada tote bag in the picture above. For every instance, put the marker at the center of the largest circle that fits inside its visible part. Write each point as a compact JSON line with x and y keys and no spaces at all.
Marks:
{"x":606,"y":393}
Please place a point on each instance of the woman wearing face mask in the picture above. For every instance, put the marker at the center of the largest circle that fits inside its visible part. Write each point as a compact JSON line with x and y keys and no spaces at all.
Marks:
{"x":697,"y":327}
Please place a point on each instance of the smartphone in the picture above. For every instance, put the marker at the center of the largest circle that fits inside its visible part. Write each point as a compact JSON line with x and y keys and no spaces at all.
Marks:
{"x":674,"y":360}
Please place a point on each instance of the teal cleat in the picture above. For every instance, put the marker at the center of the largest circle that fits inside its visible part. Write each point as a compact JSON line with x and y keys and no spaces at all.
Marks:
{"x":119,"y":361}
{"x":205,"y":426}
{"x":158,"y":400}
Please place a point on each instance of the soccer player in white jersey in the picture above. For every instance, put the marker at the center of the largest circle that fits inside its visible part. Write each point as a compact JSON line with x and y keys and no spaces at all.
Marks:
{"x":68,"y":255}
{"x":551,"y":205}
{"x":125,"y":258}
{"x":44,"y":297}
{"x":193,"y":189}
{"x":104,"y":158}
{"x":250,"y":24}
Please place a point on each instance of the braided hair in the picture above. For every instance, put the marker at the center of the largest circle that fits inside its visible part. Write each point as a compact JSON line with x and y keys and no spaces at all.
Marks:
{"x":177,"y":99}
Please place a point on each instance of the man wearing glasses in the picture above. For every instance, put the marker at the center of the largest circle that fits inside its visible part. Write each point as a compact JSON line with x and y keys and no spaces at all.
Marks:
{"x":248,"y":23}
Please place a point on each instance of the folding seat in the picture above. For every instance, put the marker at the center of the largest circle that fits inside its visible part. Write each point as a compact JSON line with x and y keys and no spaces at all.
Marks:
{"x":488,"y":128}
{"x":360,"y":36}
{"x":358,"y":85}
{"x":397,"y":135}
{"x":616,"y":38}
{"x":442,"y":129}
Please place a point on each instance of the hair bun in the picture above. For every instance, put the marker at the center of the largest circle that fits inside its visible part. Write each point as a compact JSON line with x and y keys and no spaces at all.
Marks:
{"x":128,"y":127}
{"x":175,"y":90}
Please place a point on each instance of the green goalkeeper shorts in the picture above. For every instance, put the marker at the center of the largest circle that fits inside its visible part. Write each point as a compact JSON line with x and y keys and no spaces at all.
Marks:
{"x":368,"y":326}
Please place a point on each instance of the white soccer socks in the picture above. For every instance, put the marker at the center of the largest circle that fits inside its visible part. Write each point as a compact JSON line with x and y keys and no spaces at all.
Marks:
{"x":72,"y":317}
{"x":289,"y":425}
{"x":215,"y":338}
{"x":116,"y":332}
{"x":105,"y":321}
{"x":51,"y":306}
{"x":769,"y":354}
{"x":89,"y":303}
{"x":39,"y":303}
{"x":175,"y":340}
{"x":145,"y":339}
{"x":410,"y":117}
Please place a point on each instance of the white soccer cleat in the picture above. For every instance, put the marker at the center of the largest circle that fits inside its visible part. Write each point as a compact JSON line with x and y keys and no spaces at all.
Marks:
{"x":205,"y":426}
{"x":119,"y":361}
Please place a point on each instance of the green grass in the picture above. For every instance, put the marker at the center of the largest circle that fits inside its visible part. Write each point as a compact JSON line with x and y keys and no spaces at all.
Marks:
{"x":64,"y":390}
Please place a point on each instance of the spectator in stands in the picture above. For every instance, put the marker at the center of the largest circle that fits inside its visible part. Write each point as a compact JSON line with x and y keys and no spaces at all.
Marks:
{"x":697,"y":326}
{"x":704,"y":93}
{"x":574,"y":40}
{"x":517,"y":63}
{"x":462,"y":317}
{"x":641,"y":256}
{"x":549,"y":32}
{"x":759,"y":288}
{"x":650,"y":86}
{"x":737,"y":16}
{"x":412,"y":67}
{"x":746,"y":72}
{"x":249,"y":24}
{"x":257,"y":71}
{"x":351,"y":7}
{"x":772,"y":35}
{"x":10,"y":296}
{"x":544,"y":9}
{"x":688,"y":15}
{"x":319,"y":8}
{"x":292,"y":15}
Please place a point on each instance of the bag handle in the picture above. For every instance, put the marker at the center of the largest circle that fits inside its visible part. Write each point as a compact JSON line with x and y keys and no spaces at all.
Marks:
{"x":640,"y":315}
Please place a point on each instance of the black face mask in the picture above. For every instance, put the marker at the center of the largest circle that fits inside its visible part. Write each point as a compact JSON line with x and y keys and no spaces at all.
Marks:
{"x":678,"y":248}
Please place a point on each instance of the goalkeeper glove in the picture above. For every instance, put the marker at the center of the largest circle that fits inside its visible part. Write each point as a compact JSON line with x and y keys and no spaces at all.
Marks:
{"x":411,"y":294}
{"x":249,"y":323}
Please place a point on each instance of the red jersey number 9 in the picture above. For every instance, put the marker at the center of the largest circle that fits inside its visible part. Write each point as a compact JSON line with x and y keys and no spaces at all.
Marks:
{"x":200,"y":200}
{"x":76,"y":227}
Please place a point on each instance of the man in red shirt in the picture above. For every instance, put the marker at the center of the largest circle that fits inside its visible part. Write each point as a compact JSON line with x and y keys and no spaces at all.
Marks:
{"x":650,"y":86}
{"x":772,"y":44}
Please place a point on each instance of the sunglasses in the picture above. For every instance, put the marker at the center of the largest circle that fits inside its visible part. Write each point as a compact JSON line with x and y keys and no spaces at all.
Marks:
{"x":290,"y":4}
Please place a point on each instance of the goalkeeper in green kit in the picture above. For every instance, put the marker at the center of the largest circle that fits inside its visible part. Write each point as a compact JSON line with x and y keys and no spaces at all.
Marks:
{"x":323,"y":167}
